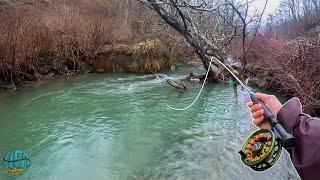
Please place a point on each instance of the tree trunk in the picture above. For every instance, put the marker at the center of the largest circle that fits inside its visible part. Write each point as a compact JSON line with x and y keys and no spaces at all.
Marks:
{"x":198,"y":48}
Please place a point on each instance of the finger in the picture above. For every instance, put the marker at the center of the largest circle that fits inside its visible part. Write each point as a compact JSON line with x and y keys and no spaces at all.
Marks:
{"x":249,"y":104}
{"x":258,"y":121}
{"x":262,"y":96}
{"x":256,"y":107}
{"x":258,"y":113}
{"x":265,"y":125}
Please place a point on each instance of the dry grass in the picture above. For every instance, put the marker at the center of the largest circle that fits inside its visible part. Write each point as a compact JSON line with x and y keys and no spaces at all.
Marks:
{"x":149,"y":56}
{"x":31,"y":36}
{"x":38,"y":37}
{"x":291,"y":66}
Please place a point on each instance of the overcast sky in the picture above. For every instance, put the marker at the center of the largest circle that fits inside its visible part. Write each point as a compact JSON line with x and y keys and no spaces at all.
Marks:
{"x":272,"y":5}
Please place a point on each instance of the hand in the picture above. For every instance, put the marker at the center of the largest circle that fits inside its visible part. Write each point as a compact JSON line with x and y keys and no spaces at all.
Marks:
{"x":257,"y":112}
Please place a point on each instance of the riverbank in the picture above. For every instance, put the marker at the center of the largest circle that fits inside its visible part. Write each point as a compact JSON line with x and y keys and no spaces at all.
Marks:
{"x":41,"y":40}
{"x":146,"y":57}
{"x":45,"y":39}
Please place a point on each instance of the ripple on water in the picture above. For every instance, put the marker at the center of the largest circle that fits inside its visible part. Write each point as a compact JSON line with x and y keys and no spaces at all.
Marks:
{"x":66,"y":140}
{"x":119,"y":127}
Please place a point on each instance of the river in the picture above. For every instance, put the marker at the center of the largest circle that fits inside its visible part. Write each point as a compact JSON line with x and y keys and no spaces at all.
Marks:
{"x":117,"y":126}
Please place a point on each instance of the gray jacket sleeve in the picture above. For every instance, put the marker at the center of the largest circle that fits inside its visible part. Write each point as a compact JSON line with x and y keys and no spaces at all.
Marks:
{"x":306,"y":155}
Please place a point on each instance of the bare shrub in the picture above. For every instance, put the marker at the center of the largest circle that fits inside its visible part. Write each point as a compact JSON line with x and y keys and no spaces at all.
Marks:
{"x":62,"y":36}
{"x":33,"y":36}
{"x":292,"y":66}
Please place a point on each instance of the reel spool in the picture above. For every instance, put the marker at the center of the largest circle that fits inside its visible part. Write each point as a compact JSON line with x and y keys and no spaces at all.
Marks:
{"x":261,"y":150}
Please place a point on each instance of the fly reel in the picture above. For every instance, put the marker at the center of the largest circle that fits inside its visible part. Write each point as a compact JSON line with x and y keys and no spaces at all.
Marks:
{"x":261,"y":150}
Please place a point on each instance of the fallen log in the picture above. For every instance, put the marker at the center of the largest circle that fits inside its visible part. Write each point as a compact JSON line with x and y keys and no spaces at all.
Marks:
{"x":176,"y":85}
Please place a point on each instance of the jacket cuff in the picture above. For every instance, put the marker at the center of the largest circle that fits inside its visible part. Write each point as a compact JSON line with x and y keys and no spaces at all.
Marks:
{"x":289,"y":113}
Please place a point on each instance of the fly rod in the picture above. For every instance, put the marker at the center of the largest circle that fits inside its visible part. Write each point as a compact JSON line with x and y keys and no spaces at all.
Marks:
{"x":263,"y":148}
{"x":288,"y":140}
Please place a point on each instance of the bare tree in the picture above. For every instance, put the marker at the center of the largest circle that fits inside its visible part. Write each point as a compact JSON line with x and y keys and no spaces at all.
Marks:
{"x":316,"y":4}
{"x":209,"y":26}
{"x":296,"y":16}
{"x":307,"y":7}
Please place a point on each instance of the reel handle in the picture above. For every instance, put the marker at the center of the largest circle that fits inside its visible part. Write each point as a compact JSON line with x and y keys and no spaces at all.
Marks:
{"x":288,"y":141}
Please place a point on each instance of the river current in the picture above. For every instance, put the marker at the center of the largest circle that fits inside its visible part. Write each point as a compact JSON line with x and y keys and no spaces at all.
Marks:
{"x":117,"y":126}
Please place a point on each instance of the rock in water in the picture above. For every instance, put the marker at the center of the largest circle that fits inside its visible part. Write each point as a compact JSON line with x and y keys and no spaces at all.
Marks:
{"x":173,"y":67}
{"x":16,"y":162}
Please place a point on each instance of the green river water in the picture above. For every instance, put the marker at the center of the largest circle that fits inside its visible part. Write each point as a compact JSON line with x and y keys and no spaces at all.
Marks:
{"x":116,"y":126}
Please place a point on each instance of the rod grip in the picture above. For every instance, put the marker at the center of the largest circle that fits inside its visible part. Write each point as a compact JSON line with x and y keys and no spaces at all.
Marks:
{"x":288,"y":141}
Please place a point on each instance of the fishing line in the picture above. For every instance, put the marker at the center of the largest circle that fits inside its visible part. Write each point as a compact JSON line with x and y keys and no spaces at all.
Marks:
{"x":263,"y":148}
{"x":204,"y":82}
{"x":238,"y":80}
{"x":211,"y":60}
